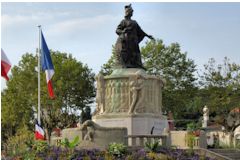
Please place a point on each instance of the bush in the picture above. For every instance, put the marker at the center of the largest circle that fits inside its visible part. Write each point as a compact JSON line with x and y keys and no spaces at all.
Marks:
{"x":19,"y":144}
{"x":66,"y":143}
{"x":190,"y":138}
{"x":152,"y":146}
{"x":117,"y":149}
{"x":40,"y":146}
{"x":191,"y":126}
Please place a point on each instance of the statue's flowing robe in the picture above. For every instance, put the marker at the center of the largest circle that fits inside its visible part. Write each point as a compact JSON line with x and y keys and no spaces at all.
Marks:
{"x":127,"y":48}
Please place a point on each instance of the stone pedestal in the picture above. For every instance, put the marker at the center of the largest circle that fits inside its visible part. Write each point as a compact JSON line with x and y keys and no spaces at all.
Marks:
{"x":130,"y":98}
{"x":91,"y":135}
{"x":136,"y":124}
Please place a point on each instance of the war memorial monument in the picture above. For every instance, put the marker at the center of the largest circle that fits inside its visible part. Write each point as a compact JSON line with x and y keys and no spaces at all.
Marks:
{"x":129,"y":101}
{"x":129,"y":97}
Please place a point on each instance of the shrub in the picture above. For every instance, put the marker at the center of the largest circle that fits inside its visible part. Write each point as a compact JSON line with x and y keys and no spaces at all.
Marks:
{"x":190,"y":140}
{"x":40,"y":146}
{"x":19,"y":144}
{"x":152,"y":146}
{"x":117,"y":149}
{"x":191,"y":126}
{"x":71,"y":145}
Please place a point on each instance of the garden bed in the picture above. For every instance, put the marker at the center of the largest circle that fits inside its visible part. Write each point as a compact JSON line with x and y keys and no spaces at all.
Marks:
{"x":63,"y":153}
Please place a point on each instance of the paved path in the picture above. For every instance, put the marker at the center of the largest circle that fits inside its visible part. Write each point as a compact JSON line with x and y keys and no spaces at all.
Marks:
{"x":233,"y":154}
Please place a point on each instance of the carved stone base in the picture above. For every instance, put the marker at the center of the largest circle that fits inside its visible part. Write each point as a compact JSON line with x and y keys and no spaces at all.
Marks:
{"x":92,"y":135}
{"x":140,"y":124}
{"x":129,"y":91}
{"x":130,"y":98}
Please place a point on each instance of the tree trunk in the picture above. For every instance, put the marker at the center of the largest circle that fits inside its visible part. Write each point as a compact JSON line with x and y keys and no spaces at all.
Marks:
{"x":48,"y":135}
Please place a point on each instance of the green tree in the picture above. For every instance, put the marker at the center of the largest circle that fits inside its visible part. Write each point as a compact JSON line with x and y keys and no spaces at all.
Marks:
{"x":73,"y":85}
{"x":220,"y":90}
{"x":220,"y":87}
{"x":172,"y":65}
{"x":108,"y":67}
{"x":19,"y":97}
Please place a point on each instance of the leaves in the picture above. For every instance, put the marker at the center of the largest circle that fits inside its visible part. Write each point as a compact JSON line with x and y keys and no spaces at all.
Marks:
{"x":221,"y":85}
{"x":71,"y":145}
{"x":152,"y":146}
{"x":73,"y":84}
{"x":171,"y":64}
{"x":117,"y":149}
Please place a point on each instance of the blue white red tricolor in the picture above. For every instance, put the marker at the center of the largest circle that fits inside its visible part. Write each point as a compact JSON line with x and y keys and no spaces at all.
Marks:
{"x":5,"y":65}
{"x":39,"y":133}
{"x":47,"y":65}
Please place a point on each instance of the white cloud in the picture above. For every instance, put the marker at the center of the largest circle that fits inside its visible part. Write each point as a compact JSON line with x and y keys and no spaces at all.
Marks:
{"x":17,"y":20}
{"x":8,"y":20}
{"x":70,"y":26}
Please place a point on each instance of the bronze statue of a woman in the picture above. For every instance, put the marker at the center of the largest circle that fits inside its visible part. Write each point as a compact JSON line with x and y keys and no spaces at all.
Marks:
{"x":130,"y":35}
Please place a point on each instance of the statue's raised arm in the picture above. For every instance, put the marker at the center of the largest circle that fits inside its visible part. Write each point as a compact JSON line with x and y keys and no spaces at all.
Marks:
{"x":127,"y":46}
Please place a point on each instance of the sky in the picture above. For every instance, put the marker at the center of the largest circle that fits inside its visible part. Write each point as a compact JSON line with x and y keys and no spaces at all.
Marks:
{"x":87,"y":30}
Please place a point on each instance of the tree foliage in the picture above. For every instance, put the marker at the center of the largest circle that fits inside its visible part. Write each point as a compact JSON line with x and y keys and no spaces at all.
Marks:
{"x":108,"y":67}
{"x":73,"y":85}
{"x":220,"y":88}
{"x":178,"y":71}
{"x":19,"y":97}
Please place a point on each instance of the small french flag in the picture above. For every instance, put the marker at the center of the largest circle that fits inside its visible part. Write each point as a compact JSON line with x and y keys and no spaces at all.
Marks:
{"x":5,"y":65}
{"x":39,"y":133}
{"x":47,"y":65}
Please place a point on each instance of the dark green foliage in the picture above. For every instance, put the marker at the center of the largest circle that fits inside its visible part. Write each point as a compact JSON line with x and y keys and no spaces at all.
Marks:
{"x":220,"y":89}
{"x":191,"y":126}
{"x":172,"y":65}
{"x":190,"y":138}
{"x":19,"y":98}
{"x":152,"y":146}
{"x":73,"y":84}
{"x":117,"y":149}
{"x":71,"y":145}
{"x":40,"y":146}
{"x":108,"y":67}
{"x":20,"y":143}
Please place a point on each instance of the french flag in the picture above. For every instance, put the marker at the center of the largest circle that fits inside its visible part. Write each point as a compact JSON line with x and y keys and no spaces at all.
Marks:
{"x":47,"y":65}
{"x":39,"y":133}
{"x":5,"y":65}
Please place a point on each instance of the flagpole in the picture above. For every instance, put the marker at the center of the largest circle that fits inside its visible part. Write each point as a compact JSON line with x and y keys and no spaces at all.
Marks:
{"x":39,"y":69}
